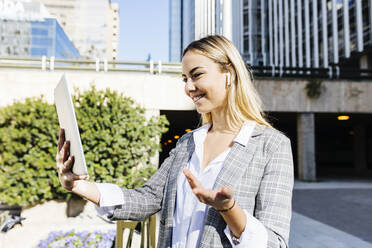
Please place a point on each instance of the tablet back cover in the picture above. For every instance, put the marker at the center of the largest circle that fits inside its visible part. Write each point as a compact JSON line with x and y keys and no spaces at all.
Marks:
{"x":67,"y":121}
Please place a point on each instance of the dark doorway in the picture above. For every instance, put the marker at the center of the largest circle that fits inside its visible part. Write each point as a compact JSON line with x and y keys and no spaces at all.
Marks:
{"x":179,"y":123}
{"x":334,"y":139}
{"x":286,"y":122}
{"x":335,"y":144}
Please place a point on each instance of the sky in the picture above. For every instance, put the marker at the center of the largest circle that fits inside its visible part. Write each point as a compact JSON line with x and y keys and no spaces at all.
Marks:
{"x":143,"y":29}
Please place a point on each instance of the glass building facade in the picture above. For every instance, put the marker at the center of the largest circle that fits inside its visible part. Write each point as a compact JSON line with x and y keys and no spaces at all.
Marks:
{"x":283,"y":33}
{"x":22,"y":38}
{"x":306,"y":33}
{"x":49,"y":39}
{"x":181,"y":27}
{"x":93,"y":26}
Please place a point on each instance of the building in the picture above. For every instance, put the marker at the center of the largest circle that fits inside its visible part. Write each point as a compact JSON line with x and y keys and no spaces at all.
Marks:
{"x":175,"y":30}
{"x":309,"y":33}
{"x":286,"y":41}
{"x":282,"y":33}
{"x":27,"y":30}
{"x":93,"y":26}
{"x":190,"y":20}
{"x":113,"y":32}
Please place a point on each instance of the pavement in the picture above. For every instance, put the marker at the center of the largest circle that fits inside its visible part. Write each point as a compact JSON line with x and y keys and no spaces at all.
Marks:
{"x":332,"y":213}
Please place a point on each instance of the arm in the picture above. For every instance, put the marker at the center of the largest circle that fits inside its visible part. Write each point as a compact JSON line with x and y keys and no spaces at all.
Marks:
{"x":222,"y":199}
{"x":70,"y":181}
{"x":148,"y":197}
{"x":235,"y":218}
{"x":274,"y":197}
{"x":273,"y":201}
{"x":138,"y":203}
{"x":248,"y":231}
{"x":142,"y":202}
{"x":254,"y":234}
{"x":269,"y":227}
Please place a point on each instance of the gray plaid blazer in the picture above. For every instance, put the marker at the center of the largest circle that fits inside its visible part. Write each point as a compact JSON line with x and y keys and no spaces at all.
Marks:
{"x":260,"y":172}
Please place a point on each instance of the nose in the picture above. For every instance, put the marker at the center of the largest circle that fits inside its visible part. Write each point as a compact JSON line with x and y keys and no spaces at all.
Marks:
{"x":189,"y":86}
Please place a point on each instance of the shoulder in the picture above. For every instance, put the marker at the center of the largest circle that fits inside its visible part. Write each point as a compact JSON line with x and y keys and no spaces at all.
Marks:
{"x":186,"y":137}
{"x":271,"y":139}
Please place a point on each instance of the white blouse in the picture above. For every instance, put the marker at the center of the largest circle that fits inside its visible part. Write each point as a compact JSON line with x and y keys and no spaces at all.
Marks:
{"x":189,"y":211}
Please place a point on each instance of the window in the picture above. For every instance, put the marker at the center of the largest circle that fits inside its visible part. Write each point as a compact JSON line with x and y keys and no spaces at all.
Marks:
{"x":246,"y":43}
{"x":245,"y":22}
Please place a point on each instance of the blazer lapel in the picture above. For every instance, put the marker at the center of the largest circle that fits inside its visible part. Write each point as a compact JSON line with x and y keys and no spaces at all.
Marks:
{"x":181,"y":161}
{"x":237,"y":161}
{"x":233,"y":169}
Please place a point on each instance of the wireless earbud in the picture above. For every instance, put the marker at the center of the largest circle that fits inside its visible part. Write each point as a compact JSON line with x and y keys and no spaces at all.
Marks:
{"x":228,"y":76}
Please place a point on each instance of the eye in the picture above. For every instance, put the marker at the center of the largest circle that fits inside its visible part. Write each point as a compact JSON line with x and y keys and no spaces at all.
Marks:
{"x":196,"y":75}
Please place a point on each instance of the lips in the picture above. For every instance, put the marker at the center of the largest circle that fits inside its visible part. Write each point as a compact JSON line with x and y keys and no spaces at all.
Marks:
{"x":197,"y":97}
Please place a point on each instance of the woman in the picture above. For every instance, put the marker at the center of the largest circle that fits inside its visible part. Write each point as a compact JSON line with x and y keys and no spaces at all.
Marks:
{"x":226,"y":184}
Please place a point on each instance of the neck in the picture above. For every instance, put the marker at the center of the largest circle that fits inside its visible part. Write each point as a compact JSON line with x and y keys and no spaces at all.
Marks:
{"x":219,"y":123}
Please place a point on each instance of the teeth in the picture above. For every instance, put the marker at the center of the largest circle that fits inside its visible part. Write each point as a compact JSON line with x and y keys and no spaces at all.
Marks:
{"x":198,"y":97}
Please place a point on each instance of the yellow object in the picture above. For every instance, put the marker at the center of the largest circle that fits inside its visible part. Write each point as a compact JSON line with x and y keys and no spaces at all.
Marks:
{"x":343,"y":117}
{"x":148,"y":227}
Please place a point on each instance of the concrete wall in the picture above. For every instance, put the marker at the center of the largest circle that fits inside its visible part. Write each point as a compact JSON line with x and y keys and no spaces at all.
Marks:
{"x":153,"y":92}
{"x":337,"y":96}
{"x":165,"y":91}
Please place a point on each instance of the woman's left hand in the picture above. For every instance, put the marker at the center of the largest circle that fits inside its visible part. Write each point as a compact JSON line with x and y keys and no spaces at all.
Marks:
{"x":221,"y":199}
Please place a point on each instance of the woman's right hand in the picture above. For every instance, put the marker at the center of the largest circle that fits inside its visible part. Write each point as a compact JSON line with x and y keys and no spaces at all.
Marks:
{"x":65,"y":162}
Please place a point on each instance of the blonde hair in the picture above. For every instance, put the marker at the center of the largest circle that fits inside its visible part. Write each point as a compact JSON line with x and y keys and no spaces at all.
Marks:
{"x":243,"y":101}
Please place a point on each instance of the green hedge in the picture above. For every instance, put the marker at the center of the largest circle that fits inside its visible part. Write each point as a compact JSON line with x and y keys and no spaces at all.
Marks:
{"x":116,"y":138}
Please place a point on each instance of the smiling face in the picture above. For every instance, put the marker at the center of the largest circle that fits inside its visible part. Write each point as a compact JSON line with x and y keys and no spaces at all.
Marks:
{"x":205,"y":84}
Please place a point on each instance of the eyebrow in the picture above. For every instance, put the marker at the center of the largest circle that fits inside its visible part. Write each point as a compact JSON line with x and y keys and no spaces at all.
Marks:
{"x":193,"y":69}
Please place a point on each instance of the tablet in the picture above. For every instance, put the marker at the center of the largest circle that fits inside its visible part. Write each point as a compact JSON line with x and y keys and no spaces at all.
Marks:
{"x":67,"y":121}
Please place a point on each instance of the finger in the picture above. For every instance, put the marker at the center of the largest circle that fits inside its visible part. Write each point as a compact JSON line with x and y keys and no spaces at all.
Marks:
{"x":206,"y":196}
{"x":193,"y":181}
{"x":80,"y":177}
{"x":61,"y":138}
{"x":225,"y":193}
{"x":68,"y":164}
{"x":66,"y":151}
{"x":228,"y":191}
{"x":201,"y":194}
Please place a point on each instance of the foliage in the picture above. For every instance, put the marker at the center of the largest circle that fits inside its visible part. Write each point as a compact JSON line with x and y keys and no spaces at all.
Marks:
{"x":314,"y":88}
{"x":116,"y":138}
{"x":74,"y":239}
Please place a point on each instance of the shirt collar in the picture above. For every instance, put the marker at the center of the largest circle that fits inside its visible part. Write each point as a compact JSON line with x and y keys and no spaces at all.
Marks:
{"x":242,"y":137}
{"x":245,"y":132}
{"x":200,"y":133}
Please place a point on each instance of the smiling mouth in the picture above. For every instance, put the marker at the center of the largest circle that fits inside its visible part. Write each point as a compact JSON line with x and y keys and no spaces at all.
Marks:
{"x":197,"y":98}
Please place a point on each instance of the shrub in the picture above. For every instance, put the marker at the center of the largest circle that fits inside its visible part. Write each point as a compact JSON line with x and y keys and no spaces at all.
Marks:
{"x":115,"y":134}
{"x":74,"y":239}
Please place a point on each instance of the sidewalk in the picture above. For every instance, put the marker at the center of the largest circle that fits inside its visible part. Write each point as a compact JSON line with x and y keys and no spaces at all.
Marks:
{"x":332,"y":213}
{"x":309,"y":233}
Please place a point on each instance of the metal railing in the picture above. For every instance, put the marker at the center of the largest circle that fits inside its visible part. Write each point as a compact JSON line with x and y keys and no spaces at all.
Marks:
{"x":51,"y":64}
{"x":332,"y":72}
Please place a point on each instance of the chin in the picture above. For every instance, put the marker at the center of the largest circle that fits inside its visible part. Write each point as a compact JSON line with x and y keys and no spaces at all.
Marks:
{"x":202,"y":111}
